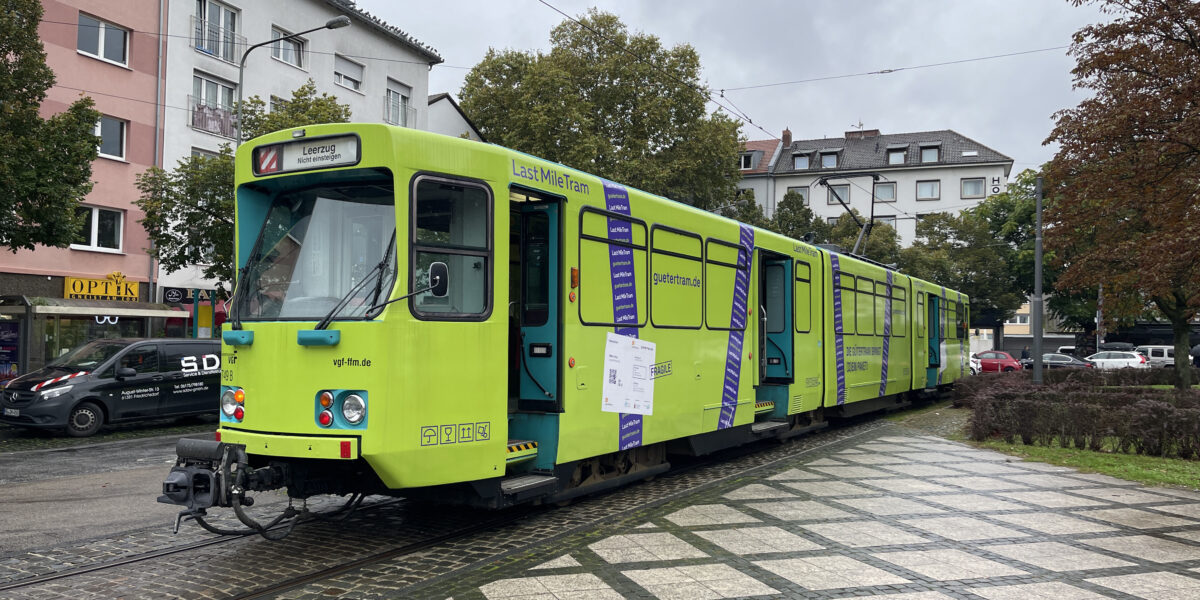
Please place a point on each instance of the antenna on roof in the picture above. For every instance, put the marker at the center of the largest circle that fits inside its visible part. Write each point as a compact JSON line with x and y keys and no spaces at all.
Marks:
{"x":859,"y":126}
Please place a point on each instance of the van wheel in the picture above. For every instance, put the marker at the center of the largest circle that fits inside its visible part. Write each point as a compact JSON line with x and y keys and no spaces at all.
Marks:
{"x":84,"y":420}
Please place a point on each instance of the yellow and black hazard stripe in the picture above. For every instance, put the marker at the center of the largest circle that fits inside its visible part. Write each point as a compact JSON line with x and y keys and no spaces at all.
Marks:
{"x":762,"y":407}
{"x":521,"y":450}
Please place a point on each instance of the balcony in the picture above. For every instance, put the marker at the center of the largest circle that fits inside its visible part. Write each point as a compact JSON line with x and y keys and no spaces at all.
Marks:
{"x":398,"y":113}
{"x":211,"y":118}
{"x":216,"y":41}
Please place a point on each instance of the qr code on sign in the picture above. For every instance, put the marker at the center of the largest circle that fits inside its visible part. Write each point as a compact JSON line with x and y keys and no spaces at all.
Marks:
{"x":612,"y":376}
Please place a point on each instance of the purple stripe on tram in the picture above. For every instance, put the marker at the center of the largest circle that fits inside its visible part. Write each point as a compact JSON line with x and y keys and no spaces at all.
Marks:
{"x":839,"y":345}
{"x":887,"y":335}
{"x":624,"y":291}
{"x":737,"y":333}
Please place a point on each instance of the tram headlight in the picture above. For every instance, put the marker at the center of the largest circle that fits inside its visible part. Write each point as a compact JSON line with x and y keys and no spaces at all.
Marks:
{"x":229,"y":402}
{"x":354,"y":409}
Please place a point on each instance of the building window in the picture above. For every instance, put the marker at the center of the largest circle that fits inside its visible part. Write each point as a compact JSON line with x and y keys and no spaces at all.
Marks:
{"x":211,"y":105}
{"x":972,"y":188}
{"x":205,"y":154}
{"x":829,"y":160}
{"x":832,"y":220}
{"x":929,"y":154}
{"x":101,"y":229}
{"x":215,"y":29}
{"x":289,"y":51}
{"x":395,"y":106}
{"x":802,"y":190}
{"x":347,"y":73}
{"x":885,"y":192}
{"x":929,"y":190}
{"x":800,"y":161}
{"x":889,"y":220}
{"x":1018,"y":320}
{"x":278,"y":104}
{"x":896,"y":157}
{"x":111,"y":132}
{"x":102,"y":40}
{"x":839,"y":191}
{"x":747,"y":161}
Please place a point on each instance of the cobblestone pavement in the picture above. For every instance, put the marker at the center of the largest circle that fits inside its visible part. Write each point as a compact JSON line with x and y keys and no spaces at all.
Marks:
{"x":869,"y":510}
{"x":19,"y":439}
{"x":890,"y":514}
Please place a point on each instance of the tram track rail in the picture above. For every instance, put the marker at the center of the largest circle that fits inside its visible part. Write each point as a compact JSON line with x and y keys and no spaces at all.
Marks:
{"x":421,"y":540}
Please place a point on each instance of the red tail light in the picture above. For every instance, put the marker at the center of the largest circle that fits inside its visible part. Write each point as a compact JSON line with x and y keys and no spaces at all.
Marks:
{"x":1142,"y":357}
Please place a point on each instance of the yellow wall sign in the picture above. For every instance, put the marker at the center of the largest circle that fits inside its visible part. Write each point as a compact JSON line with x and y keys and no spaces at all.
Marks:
{"x":112,"y":287}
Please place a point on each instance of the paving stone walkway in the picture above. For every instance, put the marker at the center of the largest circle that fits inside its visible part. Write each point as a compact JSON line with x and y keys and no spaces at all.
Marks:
{"x":903,"y":517}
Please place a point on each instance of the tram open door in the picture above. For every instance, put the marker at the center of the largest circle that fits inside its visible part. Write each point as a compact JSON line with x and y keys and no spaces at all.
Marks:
{"x":935,"y":339}
{"x":535,"y":328}
{"x":776,"y":341}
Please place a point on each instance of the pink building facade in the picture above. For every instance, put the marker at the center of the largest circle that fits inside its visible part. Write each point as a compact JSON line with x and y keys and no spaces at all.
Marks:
{"x":101,"y":286}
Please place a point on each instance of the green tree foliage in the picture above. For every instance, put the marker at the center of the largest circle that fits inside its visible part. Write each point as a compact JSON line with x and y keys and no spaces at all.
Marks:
{"x":964,"y":252}
{"x":45,"y":164}
{"x":882,"y":245}
{"x":793,"y":218}
{"x":745,"y":209}
{"x":1128,"y":164}
{"x":189,"y":209}
{"x":612,"y":103}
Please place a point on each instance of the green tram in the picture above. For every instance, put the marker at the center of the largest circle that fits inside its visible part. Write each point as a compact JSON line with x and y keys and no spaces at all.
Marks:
{"x":431,"y":317}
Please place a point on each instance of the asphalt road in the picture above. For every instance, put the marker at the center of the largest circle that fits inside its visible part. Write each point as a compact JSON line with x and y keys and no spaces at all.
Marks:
{"x":53,"y":497}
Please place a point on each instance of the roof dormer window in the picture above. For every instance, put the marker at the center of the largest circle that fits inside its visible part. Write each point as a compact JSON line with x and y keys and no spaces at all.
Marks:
{"x":800,"y":161}
{"x":747,"y":161}
{"x":829,"y":160}
{"x":930,"y":153}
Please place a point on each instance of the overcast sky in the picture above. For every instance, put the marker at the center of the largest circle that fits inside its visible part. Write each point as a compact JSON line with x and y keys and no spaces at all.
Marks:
{"x":1003,"y":103}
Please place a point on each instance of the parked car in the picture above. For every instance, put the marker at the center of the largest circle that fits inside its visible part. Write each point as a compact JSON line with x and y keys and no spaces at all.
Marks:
{"x":116,"y":380}
{"x":1069,"y":350}
{"x":976,"y":364}
{"x":1054,"y":360}
{"x":1119,"y":360}
{"x":1159,"y":356}
{"x":997,"y":360}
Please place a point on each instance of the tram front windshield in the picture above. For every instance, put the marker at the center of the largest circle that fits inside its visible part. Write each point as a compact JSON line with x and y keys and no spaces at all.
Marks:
{"x":318,"y":244}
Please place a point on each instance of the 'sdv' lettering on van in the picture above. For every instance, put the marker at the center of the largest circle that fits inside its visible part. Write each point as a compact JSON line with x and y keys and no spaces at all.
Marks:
{"x":196,"y":364}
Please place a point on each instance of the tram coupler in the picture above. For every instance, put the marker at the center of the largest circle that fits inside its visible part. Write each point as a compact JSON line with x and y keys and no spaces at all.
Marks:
{"x":198,"y":479}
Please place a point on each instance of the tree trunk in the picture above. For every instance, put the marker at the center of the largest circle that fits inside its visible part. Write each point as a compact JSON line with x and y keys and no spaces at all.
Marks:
{"x":1183,"y":357}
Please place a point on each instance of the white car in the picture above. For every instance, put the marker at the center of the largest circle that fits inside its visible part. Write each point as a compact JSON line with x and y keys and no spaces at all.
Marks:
{"x":976,"y":364}
{"x":1118,"y":360}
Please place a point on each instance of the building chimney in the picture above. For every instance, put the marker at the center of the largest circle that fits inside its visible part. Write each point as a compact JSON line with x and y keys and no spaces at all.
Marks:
{"x":787,"y":138}
{"x":861,"y":134}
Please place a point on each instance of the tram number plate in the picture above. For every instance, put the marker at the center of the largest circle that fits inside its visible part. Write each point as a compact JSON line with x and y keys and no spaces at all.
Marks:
{"x":12,"y":412}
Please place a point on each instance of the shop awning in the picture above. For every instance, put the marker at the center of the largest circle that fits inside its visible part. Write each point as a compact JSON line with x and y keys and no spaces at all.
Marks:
{"x":72,"y":306}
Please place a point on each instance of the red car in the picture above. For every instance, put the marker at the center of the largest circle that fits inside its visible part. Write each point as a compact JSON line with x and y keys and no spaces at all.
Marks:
{"x":996,"y":361}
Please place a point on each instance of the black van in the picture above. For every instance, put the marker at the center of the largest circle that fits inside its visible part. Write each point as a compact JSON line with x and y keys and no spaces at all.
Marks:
{"x":117,"y":380}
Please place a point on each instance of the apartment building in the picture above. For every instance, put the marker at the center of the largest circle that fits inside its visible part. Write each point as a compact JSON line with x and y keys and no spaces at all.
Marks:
{"x":897,"y":178}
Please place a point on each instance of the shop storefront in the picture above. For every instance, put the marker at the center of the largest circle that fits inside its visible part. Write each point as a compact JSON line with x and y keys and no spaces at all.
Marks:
{"x":34,"y":330}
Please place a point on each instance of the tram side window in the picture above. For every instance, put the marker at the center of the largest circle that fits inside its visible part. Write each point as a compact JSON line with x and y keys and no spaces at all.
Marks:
{"x":866,"y":306}
{"x":883,"y":319}
{"x":961,"y":329}
{"x":803,"y":297}
{"x":844,"y":288}
{"x":676,"y":291}
{"x":946,"y":317}
{"x":451,"y":225}
{"x":723,"y":307}
{"x":899,"y":312}
{"x":612,"y":270}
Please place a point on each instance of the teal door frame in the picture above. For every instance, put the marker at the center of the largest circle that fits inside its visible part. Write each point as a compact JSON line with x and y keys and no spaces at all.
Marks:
{"x":539,"y":308}
{"x":935,"y":340}
{"x":777,"y":291}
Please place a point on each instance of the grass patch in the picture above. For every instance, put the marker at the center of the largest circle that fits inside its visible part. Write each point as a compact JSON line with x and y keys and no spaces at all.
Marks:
{"x":1149,"y":470}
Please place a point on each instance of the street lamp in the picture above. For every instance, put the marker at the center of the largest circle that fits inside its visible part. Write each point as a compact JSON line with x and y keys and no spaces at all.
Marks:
{"x":334,"y":23}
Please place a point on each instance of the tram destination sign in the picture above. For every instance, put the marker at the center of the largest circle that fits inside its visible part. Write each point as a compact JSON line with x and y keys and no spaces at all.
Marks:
{"x":305,"y":155}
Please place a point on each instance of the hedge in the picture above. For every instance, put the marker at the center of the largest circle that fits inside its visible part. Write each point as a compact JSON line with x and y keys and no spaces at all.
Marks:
{"x":1085,"y":409}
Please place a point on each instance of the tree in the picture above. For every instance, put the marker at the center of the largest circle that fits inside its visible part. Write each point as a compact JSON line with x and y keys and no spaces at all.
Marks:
{"x":744,"y":209}
{"x":793,"y":218}
{"x":882,"y":245}
{"x":189,"y":210}
{"x":614,"y":104}
{"x":1129,"y":162}
{"x":963,"y":252}
{"x":45,"y":164}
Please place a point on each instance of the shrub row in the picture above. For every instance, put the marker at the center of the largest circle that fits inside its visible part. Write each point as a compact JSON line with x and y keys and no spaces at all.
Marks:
{"x":1084,"y":410}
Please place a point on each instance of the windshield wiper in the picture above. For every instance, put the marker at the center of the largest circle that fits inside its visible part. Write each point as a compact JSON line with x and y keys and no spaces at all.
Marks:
{"x":375,"y":272}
